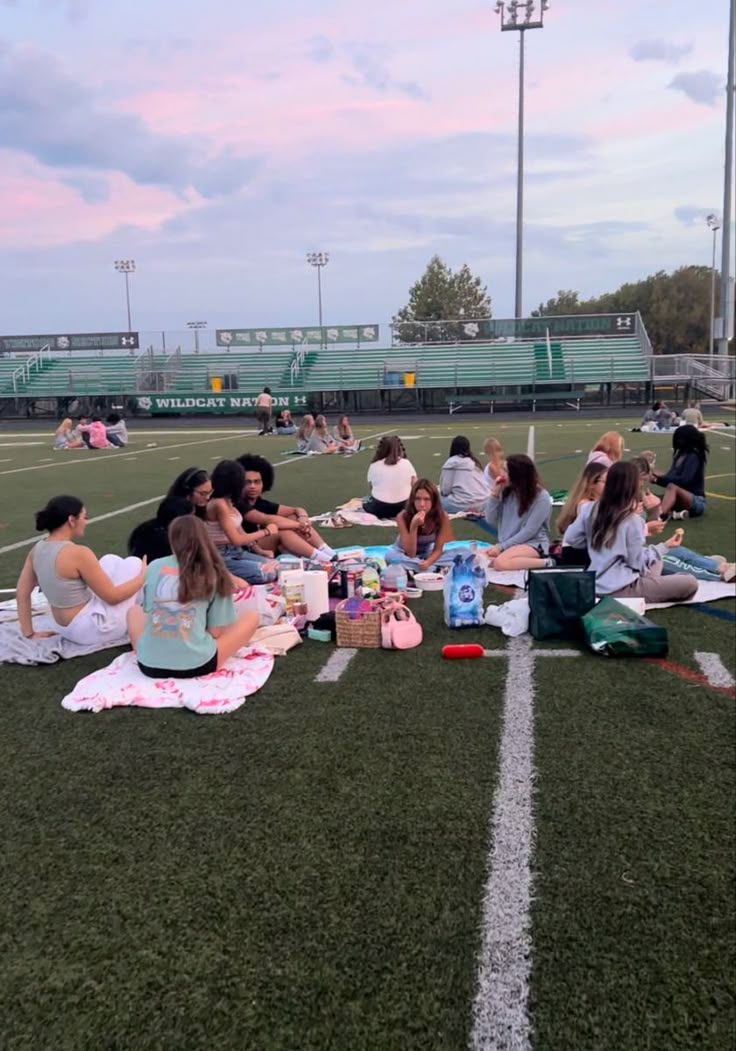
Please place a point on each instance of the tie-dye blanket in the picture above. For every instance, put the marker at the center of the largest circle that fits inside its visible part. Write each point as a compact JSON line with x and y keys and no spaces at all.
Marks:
{"x":123,"y":685}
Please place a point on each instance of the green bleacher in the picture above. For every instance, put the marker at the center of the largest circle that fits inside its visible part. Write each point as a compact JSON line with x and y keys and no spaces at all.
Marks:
{"x":528,"y":363}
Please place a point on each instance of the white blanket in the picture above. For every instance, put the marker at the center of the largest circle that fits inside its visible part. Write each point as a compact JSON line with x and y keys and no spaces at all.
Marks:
{"x":15,"y":649}
{"x":708,"y":591}
{"x":122,"y":684}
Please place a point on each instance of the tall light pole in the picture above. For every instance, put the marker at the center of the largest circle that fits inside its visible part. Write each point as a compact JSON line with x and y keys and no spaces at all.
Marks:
{"x":197,"y":326}
{"x":126,"y":266}
{"x":727,"y":289}
{"x":319,"y":260}
{"x":518,"y":16}
{"x":714,"y":224}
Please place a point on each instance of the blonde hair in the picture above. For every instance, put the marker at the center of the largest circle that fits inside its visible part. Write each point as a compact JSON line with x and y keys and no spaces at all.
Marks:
{"x":64,"y":427}
{"x":612,"y":444}
{"x":306,"y":427}
{"x":494,"y":454}
{"x":581,"y":490}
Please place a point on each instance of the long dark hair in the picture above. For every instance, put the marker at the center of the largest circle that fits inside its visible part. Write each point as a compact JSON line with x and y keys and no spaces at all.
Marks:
{"x":620,"y":496}
{"x":228,"y":481}
{"x":251,"y":462}
{"x":184,"y":485}
{"x":436,"y":516}
{"x":688,"y":439}
{"x":57,"y":512}
{"x":202,"y":572}
{"x":390,"y":448}
{"x":524,"y":481}
{"x":460,"y":446}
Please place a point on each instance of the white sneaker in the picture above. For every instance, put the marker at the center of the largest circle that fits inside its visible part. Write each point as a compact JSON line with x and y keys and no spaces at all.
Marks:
{"x":679,"y":516}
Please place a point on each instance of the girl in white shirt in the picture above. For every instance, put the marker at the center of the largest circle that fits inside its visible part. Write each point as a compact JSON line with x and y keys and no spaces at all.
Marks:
{"x":390,"y":477}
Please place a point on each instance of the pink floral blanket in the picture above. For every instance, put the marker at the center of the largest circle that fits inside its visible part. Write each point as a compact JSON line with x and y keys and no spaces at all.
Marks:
{"x":122,"y":685}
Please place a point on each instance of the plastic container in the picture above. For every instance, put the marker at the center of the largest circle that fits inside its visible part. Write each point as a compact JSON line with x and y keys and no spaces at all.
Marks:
{"x":394,"y":578}
{"x":216,"y":384}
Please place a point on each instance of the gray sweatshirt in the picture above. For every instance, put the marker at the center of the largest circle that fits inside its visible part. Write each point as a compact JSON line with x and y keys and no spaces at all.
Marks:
{"x":464,"y":483}
{"x":625,"y":561}
{"x":531,"y":528}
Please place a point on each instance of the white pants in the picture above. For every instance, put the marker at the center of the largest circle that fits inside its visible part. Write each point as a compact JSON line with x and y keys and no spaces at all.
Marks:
{"x":98,"y":622}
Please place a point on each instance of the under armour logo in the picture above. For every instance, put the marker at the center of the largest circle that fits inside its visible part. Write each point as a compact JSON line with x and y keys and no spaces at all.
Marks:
{"x":623,"y":322}
{"x":127,"y":341}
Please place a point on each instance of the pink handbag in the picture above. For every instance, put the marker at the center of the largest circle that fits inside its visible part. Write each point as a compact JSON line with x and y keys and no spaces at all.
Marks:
{"x":400,"y":630}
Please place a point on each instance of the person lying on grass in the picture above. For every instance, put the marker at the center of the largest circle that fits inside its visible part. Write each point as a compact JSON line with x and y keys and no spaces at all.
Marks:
{"x":188,"y":625}
{"x":239,"y":550}
{"x":615,"y":535}
{"x":684,"y":483}
{"x":88,"y":598}
{"x":424,"y":529}
{"x":295,"y":535}
{"x":519,"y":507}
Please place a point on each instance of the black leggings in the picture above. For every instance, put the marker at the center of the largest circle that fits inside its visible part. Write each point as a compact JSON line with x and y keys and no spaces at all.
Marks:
{"x":180,"y":673}
{"x":382,"y":510}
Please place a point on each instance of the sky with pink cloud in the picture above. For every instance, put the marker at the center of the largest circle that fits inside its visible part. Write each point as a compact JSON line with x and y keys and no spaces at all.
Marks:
{"x":216,"y":144}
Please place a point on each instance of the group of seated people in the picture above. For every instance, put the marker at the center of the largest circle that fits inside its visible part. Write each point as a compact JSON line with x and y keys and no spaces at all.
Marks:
{"x":660,"y":417}
{"x":215,"y":532}
{"x":92,"y":433}
{"x":314,"y":436}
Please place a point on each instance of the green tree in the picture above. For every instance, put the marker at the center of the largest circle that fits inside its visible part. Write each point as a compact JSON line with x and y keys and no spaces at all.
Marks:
{"x":442,"y":296}
{"x":675,"y":308}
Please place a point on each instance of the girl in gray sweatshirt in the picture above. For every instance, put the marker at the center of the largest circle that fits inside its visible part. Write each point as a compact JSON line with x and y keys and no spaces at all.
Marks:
{"x":463,"y":485}
{"x":519,"y":508}
{"x":615,"y":535}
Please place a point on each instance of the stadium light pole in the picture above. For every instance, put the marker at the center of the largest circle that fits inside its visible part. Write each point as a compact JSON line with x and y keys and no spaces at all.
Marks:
{"x":127,"y":267}
{"x":318,"y":260}
{"x":725,"y":328}
{"x":714,"y":224}
{"x":196,"y":326}
{"x":518,"y":16}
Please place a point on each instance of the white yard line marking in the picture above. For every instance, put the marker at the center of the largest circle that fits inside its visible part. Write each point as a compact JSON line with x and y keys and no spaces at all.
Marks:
{"x":109,"y":514}
{"x":715,"y":670}
{"x":335,"y":666}
{"x":537,"y":653}
{"x":118,"y":456}
{"x":530,"y":443}
{"x":500,"y":1013}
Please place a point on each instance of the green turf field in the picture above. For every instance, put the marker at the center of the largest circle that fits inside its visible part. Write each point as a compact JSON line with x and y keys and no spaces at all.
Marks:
{"x":310,"y":872}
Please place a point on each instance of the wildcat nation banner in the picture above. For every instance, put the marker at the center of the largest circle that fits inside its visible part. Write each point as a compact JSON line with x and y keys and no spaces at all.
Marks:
{"x":215,"y":403}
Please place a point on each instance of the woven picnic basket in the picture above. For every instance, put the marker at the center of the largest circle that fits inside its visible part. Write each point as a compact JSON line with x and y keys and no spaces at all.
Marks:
{"x":362,"y":633}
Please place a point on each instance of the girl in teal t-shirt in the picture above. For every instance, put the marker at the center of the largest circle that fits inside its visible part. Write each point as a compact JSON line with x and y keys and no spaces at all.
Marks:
{"x":188,"y":624}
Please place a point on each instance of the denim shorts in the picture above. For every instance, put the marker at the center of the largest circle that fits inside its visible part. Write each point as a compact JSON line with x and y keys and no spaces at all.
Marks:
{"x":697,"y":507}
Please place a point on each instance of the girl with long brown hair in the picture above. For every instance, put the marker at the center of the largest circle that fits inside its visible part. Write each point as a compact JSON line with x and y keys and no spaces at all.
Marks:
{"x":390,"y":477}
{"x":615,"y":535}
{"x":188,"y":625}
{"x":424,"y":529}
{"x":519,"y":507}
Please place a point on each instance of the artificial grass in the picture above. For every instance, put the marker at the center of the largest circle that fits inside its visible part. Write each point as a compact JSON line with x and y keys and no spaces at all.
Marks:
{"x":307,"y":873}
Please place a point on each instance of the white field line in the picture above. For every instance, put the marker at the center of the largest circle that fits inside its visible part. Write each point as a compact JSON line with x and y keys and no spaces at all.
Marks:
{"x":715,"y":670}
{"x":335,"y":666}
{"x":530,"y":443}
{"x":500,"y":1012}
{"x":537,"y":653}
{"x":142,"y":503}
{"x":73,"y":461}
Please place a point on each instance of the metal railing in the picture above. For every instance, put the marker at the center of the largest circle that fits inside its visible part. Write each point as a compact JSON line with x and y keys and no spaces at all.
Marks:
{"x":33,"y":362}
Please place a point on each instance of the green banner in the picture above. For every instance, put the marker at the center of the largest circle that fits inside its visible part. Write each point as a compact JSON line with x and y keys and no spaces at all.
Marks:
{"x":257,"y":337}
{"x":483,"y":329}
{"x":72,"y":341}
{"x":238,"y":403}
